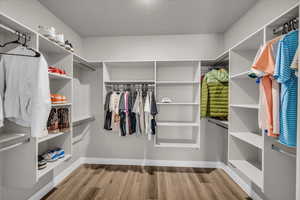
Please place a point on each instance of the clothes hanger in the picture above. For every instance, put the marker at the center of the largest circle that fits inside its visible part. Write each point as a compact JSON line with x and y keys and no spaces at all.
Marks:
{"x":17,"y":41}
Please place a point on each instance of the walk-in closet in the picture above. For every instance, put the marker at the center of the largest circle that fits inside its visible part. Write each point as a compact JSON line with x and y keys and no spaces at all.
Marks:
{"x":149,"y":99}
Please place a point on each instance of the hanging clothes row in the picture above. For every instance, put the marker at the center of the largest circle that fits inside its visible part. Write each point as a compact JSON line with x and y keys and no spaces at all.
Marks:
{"x":214,"y":94}
{"x":131,"y":111}
{"x":275,"y":69}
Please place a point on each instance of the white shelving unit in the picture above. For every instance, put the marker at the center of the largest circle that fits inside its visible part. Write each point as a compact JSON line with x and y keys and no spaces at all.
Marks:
{"x":245,"y":142}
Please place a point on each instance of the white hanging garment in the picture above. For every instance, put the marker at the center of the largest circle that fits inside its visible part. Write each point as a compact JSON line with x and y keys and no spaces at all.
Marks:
{"x":24,"y":86}
{"x":136,"y":110}
{"x":148,"y":115}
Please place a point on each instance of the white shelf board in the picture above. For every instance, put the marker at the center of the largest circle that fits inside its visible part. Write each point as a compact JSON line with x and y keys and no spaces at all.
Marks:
{"x":50,"y":136}
{"x":251,"y":138}
{"x":253,"y":173}
{"x":83,"y":63}
{"x":130,"y":81}
{"x":83,"y":120}
{"x":240,"y":75}
{"x":177,"y":124}
{"x":249,"y":106}
{"x":179,"y":103}
{"x":177,"y":145}
{"x":51,"y":47}
{"x":223,"y":123}
{"x":59,"y":76}
{"x":52,"y":165}
{"x":177,"y":82}
{"x":61,"y":104}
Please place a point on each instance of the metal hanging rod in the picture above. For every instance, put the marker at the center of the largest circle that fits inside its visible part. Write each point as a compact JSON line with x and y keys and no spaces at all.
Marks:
{"x":289,"y":151}
{"x":15,"y":145}
{"x":22,"y":35}
{"x":290,"y":25}
{"x":218,"y":123}
{"x":85,"y":65}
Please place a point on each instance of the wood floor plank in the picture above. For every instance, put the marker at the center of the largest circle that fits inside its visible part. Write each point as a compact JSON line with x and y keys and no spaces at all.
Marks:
{"x":116,"y":182}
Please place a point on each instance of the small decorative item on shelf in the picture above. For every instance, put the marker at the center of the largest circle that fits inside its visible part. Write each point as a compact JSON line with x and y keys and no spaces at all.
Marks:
{"x":52,"y":124}
{"x":166,"y":100}
{"x":56,"y":70}
{"x":69,"y":46}
{"x":60,"y":39}
{"x":63,"y":119}
{"x":58,"y":99}
{"x":48,"y":32}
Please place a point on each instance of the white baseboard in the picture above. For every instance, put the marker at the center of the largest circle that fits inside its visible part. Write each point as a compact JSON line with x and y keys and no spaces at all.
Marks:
{"x":58,"y":179}
{"x":142,"y":162}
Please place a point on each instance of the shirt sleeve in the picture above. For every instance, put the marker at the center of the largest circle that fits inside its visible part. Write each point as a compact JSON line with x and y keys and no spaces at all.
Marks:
{"x":265,"y":60}
{"x":41,"y":103}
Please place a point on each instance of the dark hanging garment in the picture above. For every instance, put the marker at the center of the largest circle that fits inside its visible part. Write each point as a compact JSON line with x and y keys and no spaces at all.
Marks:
{"x":122,"y":123}
{"x":154,"y":110}
{"x":108,"y":114}
{"x":132,"y":122}
{"x":153,"y":126}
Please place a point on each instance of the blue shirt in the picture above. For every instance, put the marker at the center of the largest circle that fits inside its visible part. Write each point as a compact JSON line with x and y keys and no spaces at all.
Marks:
{"x":289,"y":87}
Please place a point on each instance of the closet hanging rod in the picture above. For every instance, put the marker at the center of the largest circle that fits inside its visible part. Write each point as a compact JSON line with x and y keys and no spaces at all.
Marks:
{"x":291,"y":152}
{"x":218,"y":123}
{"x":85,"y":65}
{"x":22,"y":35}
{"x":291,"y":22}
{"x":15,"y":145}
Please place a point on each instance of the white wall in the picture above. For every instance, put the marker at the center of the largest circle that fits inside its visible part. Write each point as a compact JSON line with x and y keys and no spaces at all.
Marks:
{"x":153,"y":47}
{"x":32,"y":14}
{"x":259,"y":15}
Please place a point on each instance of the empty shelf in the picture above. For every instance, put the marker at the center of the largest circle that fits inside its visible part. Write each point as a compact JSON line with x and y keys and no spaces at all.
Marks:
{"x":249,"y":106}
{"x":253,"y":173}
{"x":177,"y":145}
{"x":218,"y":122}
{"x":177,"y":82}
{"x":250,"y":138}
{"x":59,"y":76}
{"x":240,"y":75}
{"x":50,"y":136}
{"x":52,"y":165}
{"x":177,"y":124}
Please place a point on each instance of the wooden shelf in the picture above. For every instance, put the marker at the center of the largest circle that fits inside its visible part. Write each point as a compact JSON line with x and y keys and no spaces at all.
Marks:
{"x":177,"y":124}
{"x":51,"y":47}
{"x":248,"y":169}
{"x":52,"y":165}
{"x":249,"y":106}
{"x":251,"y":138}
{"x":51,"y":136}
{"x":59,"y":76}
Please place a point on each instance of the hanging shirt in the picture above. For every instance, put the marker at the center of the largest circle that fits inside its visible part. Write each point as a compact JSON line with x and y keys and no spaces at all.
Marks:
{"x":24,"y":86}
{"x":289,"y":88}
{"x":148,"y":114}
{"x":295,"y":62}
{"x":265,"y":63}
{"x":1,"y":112}
{"x":137,"y":111}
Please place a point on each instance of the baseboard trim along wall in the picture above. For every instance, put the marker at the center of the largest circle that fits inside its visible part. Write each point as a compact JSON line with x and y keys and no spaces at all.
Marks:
{"x":141,"y":162}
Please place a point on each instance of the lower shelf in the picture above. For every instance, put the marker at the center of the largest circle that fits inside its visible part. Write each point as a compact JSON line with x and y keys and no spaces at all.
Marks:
{"x":248,"y":169}
{"x":177,"y":145}
{"x":52,"y":165}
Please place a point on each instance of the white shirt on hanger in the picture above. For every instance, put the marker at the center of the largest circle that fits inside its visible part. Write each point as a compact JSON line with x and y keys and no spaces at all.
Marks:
{"x":24,"y":86}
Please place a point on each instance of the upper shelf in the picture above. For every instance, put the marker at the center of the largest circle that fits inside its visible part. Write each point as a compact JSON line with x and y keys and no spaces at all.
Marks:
{"x":49,"y":47}
{"x":81,"y":62}
{"x":251,"y":43}
{"x":14,"y":25}
{"x":59,"y":76}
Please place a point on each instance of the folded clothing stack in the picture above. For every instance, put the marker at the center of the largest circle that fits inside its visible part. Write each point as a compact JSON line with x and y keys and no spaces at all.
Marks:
{"x":56,"y":70}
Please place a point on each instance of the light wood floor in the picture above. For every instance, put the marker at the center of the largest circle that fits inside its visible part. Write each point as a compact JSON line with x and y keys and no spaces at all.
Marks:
{"x":106,"y":182}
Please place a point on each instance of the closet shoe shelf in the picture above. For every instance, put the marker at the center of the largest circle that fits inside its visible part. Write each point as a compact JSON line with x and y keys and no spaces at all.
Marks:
{"x":251,"y":138}
{"x":177,"y":124}
{"x":50,"y":136}
{"x":59,"y":76}
{"x":248,"y":169}
{"x":52,"y":165}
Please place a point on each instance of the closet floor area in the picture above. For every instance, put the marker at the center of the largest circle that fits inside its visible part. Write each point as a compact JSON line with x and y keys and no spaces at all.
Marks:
{"x":112,"y":182}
